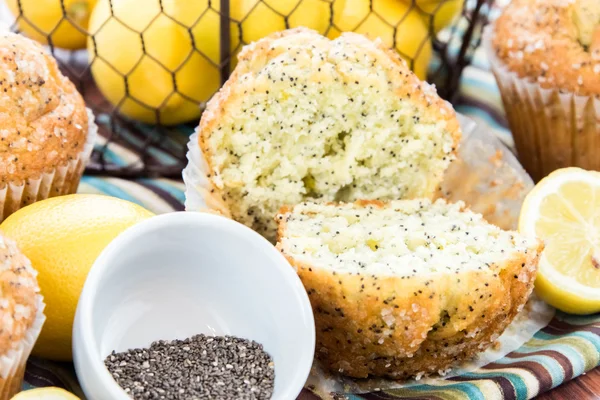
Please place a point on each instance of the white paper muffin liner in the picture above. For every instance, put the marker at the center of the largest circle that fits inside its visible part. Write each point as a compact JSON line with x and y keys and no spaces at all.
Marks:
{"x":63,"y":180}
{"x":551,"y":129}
{"x":487,"y":177}
{"x":198,"y":195}
{"x":13,"y":363}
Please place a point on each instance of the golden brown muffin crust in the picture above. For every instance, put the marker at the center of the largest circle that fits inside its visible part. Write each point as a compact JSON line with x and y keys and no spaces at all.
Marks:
{"x":43,"y":121}
{"x":406,"y":326}
{"x":18,"y":295}
{"x":553,"y":42}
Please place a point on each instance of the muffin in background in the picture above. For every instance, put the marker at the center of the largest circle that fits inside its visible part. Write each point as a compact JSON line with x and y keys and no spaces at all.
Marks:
{"x":46,"y":133}
{"x":546,"y":59}
{"x":21,"y":316}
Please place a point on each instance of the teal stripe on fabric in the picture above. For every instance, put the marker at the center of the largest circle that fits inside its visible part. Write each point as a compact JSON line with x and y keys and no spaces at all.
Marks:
{"x":550,"y":364}
{"x":163,"y":157}
{"x":172,"y":190}
{"x":468,"y":388}
{"x":482,"y":115}
{"x":113,"y":158}
{"x":480,"y":84}
{"x":159,"y":155}
{"x":168,"y":141}
{"x":110,"y":189}
{"x":480,"y":60}
{"x":575,"y":357}
{"x":589,"y":336}
{"x":515,"y":380}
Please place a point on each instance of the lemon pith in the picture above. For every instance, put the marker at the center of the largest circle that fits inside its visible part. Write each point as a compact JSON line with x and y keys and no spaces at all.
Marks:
{"x":564,"y":211}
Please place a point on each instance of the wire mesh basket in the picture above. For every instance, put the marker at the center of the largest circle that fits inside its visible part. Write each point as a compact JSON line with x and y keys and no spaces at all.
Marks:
{"x":151,"y":65}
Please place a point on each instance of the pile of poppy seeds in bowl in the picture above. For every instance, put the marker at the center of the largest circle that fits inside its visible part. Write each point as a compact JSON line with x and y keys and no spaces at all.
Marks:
{"x":200,"y":367}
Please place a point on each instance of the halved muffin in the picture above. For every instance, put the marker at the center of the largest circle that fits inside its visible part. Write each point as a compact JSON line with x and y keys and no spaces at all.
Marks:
{"x":405,"y":288}
{"x":306,"y":117}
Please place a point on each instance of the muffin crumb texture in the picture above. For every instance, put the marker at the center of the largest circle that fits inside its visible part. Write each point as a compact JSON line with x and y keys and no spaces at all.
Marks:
{"x":18,"y":295}
{"x":406,"y":288}
{"x":43,"y":123}
{"x":305,"y":117}
{"x":553,"y":42}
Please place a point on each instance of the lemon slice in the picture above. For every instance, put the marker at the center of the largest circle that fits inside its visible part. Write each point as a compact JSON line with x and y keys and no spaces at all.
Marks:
{"x":563,"y":210}
{"x":50,"y":393}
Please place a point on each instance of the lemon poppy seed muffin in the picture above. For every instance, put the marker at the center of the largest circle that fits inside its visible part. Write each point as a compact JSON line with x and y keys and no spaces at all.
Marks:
{"x":545,"y":55}
{"x":306,"y":117}
{"x":45,"y":130}
{"x":406,"y":288}
{"x":21,"y":315}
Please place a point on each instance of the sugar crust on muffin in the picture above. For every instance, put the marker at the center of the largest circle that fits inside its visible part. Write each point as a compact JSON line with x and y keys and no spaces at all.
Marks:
{"x":19,"y":292}
{"x":553,"y":42}
{"x":43,"y":120}
{"x":405,"y":288}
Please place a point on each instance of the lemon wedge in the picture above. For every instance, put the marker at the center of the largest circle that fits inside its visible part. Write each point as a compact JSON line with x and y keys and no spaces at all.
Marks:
{"x":50,"y":393}
{"x":563,"y":210}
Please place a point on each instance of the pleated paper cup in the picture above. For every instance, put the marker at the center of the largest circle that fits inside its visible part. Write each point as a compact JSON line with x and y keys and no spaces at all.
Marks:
{"x":13,"y":363}
{"x":199,"y":193}
{"x":551,"y":129}
{"x":60,"y":181}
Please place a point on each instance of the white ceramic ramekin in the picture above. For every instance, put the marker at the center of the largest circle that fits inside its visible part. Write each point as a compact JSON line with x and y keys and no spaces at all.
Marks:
{"x":180,"y":274}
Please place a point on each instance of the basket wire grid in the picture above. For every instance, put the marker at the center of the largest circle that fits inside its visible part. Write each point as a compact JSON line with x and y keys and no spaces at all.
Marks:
{"x":130,"y":149}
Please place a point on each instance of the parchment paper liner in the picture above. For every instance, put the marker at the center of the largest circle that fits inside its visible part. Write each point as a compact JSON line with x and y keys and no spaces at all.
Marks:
{"x":60,"y":181}
{"x":12,"y":364}
{"x":487,"y":177}
{"x":551,"y":129}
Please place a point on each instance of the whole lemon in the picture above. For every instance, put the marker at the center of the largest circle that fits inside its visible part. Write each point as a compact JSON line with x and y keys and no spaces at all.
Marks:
{"x":63,"y":236}
{"x":145,"y":62}
{"x":159,"y":65}
{"x":397,"y":24}
{"x":441,"y":12}
{"x":257,"y":19}
{"x":39,"y":19}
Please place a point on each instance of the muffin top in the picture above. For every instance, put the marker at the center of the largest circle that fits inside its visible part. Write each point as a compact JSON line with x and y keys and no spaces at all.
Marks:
{"x":18,"y":295}
{"x":305,"y":117}
{"x":43,"y":120}
{"x":554,"y":42}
